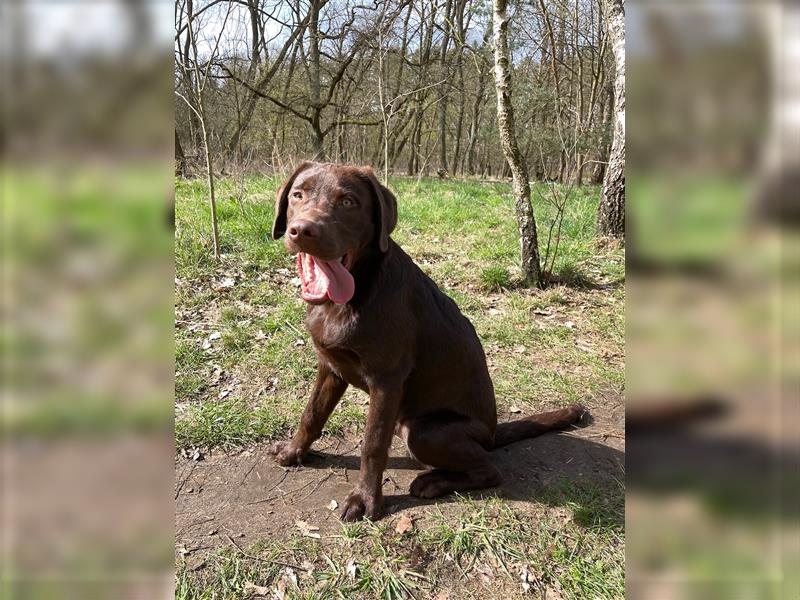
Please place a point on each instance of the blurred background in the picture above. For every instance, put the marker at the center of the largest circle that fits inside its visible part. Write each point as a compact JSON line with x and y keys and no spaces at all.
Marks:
{"x":87,"y":191}
{"x":712,"y":413}
{"x":87,"y":188}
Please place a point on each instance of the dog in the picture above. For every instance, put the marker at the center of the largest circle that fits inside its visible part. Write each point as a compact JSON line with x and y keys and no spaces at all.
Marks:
{"x":382,"y":325}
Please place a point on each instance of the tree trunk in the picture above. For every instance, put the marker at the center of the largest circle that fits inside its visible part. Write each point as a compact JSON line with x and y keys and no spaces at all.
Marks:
{"x":602,"y":158}
{"x":445,"y":74}
{"x":318,"y":140}
{"x":505,"y":120}
{"x":212,"y":197}
{"x":180,"y":157}
{"x":611,"y":212}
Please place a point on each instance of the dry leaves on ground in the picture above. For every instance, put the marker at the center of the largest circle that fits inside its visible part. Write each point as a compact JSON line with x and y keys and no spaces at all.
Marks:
{"x":308,"y":530}
{"x":404,"y":524}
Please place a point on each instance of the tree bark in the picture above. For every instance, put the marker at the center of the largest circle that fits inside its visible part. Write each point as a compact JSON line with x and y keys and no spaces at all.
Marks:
{"x":611,"y":212}
{"x":180,"y":157}
{"x":445,"y":74}
{"x":602,"y":157}
{"x":531,"y":269}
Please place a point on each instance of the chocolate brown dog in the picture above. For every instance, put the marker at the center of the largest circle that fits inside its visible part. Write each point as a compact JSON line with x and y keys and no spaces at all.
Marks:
{"x":379,"y":323}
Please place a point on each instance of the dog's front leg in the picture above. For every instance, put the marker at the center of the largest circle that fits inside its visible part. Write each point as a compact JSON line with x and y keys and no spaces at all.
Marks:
{"x":328,"y":390}
{"x":366,"y":500}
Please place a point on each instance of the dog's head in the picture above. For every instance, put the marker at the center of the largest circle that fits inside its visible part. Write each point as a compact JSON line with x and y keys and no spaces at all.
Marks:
{"x":332,"y":215}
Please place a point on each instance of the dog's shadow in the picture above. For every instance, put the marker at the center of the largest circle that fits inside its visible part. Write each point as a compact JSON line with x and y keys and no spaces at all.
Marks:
{"x":554,"y":469}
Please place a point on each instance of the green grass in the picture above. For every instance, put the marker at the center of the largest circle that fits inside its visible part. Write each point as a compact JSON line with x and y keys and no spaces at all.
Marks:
{"x":88,"y":256}
{"x":579,"y":557}
{"x":463,"y":234}
{"x":495,"y":278}
{"x":688,"y":218}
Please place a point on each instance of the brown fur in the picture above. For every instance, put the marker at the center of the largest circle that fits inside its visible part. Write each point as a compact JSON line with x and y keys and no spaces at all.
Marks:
{"x":401,"y":340}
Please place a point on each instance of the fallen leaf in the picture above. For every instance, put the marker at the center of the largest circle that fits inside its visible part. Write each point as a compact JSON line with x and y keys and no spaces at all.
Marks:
{"x":308,"y":530}
{"x":224,"y":394}
{"x":485,"y":572}
{"x":195,"y":563}
{"x":494,"y":311}
{"x":351,"y":568}
{"x":515,"y":409}
{"x":280,"y":589}
{"x":552,"y":593}
{"x":333,"y":505}
{"x":569,"y":324}
{"x":255,"y":590}
{"x":442,"y":596}
{"x":215,"y":336}
{"x":404,"y":525}
{"x":526,"y":578}
{"x":197,"y":455}
{"x":519,"y":349}
{"x":228,"y":282}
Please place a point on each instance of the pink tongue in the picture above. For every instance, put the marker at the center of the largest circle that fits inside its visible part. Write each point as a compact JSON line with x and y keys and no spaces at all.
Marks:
{"x":333,"y":278}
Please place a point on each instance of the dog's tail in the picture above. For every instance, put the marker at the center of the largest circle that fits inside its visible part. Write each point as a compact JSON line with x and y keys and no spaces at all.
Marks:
{"x":538,"y":424}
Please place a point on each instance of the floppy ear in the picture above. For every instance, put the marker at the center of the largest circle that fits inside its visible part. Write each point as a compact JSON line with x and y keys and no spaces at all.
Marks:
{"x":384,"y":207}
{"x":282,"y":201}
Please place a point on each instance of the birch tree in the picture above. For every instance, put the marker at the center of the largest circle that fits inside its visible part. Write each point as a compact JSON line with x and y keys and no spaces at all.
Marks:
{"x":611,"y":211}
{"x":529,"y":246}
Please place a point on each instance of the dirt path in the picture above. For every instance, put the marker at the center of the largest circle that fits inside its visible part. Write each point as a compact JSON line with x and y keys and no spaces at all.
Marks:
{"x":247,"y":497}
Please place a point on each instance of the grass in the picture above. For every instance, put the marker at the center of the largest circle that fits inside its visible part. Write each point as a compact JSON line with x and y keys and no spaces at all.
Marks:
{"x":244,"y":366}
{"x":495,"y":278}
{"x":88,"y":255}
{"x":486,"y":544}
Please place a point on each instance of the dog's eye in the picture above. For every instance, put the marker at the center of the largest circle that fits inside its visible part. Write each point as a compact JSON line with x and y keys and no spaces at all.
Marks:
{"x":297,"y":194}
{"x":348,"y":202}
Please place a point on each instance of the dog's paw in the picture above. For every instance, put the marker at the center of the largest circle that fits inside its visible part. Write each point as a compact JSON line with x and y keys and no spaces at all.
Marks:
{"x":429,"y":485}
{"x":359,"y":505}
{"x":285,"y":454}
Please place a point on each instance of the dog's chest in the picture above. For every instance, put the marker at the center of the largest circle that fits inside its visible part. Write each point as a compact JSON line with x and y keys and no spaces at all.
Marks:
{"x":333,"y":332}
{"x":331,"y":326}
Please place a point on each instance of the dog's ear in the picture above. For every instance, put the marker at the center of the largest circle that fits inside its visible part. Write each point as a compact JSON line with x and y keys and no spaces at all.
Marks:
{"x":282,"y":201}
{"x":384,"y":207}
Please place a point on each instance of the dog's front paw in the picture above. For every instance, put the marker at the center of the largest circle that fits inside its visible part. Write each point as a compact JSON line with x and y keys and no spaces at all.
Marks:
{"x":360,"y":504}
{"x":285,"y":454}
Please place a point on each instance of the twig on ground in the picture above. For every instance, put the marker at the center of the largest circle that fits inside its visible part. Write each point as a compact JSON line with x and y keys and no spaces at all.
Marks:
{"x":184,"y":480}
{"x":285,"y":473}
{"x":606,"y":434}
{"x":319,"y":483}
{"x":193,"y":525}
{"x":265,"y":560}
{"x":293,"y":328}
{"x":250,"y":470}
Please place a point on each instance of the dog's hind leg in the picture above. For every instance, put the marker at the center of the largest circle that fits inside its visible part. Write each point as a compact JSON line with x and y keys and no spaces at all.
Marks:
{"x":456,"y":449}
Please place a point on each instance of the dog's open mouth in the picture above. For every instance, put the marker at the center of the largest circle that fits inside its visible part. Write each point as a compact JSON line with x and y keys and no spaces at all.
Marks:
{"x":321,"y":280}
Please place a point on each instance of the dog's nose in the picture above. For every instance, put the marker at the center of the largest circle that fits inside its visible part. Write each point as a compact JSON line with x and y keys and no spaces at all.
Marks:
{"x":301,"y":229}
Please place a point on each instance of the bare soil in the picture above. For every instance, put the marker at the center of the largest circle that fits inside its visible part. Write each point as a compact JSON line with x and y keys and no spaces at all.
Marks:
{"x":247,"y":497}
